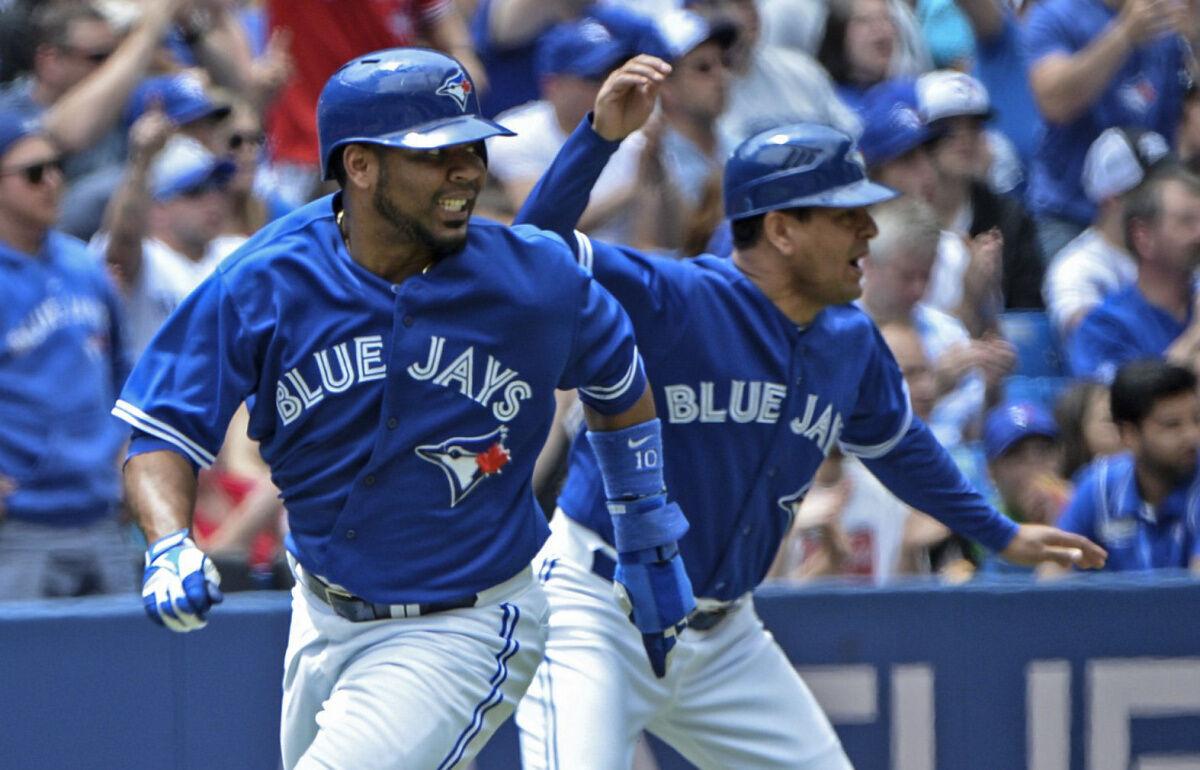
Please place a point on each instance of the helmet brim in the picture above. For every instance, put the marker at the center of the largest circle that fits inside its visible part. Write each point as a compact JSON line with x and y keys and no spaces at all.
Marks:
{"x":861,"y":193}
{"x":445,"y":132}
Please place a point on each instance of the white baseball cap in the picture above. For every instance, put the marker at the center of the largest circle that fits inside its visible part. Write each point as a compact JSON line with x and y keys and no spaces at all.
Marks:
{"x":1118,"y":161}
{"x":949,"y":94}
{"x":184,"y":165}
{"x":681,"y":31}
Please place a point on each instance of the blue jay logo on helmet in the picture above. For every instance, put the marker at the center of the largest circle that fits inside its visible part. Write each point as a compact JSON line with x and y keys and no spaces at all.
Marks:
{"x":468,"y":461}
{"x":458,"y":88}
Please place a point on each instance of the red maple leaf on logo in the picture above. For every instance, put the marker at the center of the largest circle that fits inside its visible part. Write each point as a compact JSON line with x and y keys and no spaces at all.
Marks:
{"x":492,"y":460}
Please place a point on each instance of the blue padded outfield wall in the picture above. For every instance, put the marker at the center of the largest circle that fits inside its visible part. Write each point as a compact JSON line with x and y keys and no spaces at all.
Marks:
{"x":1091,"y":673}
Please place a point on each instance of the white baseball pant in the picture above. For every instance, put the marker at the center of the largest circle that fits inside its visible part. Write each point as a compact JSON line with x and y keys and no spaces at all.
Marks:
{"x":422,"y":692}
{"x":731,"y":698}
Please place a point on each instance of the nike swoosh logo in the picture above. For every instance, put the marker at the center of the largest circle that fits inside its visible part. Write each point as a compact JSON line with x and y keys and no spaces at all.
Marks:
{"x":635,"y":444}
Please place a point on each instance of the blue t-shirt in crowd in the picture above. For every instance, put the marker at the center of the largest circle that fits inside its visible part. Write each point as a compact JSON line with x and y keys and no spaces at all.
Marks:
{"x":1001,"y":66}
{"x":1145,"y":92}
{"x":512,"y":76}
{"x":1109,"y":509}
{"x":1123,"y":328}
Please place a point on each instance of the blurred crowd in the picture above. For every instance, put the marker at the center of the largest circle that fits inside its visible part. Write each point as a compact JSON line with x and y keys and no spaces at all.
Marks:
{"x":1035,"y":281}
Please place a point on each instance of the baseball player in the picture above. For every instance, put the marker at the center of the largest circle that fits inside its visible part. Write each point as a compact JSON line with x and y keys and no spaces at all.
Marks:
{"x":759,"y":369}
{"x":399,"y":366}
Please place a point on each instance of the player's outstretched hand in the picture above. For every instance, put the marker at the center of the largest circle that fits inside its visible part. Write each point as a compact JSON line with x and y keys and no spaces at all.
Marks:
{"x":627,"y":97}
{"x":180,"y":583}
{"x":1037,"y":543}
{"x":657,"y":594}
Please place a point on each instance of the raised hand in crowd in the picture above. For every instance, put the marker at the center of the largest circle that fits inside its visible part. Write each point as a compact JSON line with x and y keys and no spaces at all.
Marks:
{"x":981,"y":299}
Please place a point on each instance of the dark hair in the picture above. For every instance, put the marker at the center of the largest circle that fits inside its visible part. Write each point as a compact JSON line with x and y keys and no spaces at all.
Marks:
{"x":1070,"y":412}
{"x":1144,"y":202}
{"x":832,"y":51}
{"x":52,"y":21}
{"x":748,"y":230}
{"x":1140,"y":385}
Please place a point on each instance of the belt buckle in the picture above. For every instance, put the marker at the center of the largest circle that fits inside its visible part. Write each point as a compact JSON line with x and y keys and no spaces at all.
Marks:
{"x":350,"y":608}
{"x":706,"y":620}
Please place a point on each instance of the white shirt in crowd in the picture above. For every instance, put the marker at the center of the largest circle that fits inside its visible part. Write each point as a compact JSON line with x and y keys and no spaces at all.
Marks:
{"x":1087,"y":270}
{"x":165,"y":279}
{"x":524,"y":157}
{"x":873,"y":521}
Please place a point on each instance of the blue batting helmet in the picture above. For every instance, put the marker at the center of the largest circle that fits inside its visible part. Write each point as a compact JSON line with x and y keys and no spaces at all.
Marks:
{"x":802,"y":164}
{"x":400,"y":97}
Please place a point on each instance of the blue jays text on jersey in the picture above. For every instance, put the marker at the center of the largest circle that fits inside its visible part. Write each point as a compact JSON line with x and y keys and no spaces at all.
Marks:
{"x":400,"y":422}
{"x":60,"y":366}
{"x":751,"y":403}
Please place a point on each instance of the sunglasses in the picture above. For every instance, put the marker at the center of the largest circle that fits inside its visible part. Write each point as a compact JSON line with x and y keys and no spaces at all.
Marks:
{"x":35,"y":173}
{"x":93,"y":57}
{"x":253,"y":138}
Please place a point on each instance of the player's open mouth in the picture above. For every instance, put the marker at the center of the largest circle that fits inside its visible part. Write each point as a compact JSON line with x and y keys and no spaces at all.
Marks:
{"x":453,"y":204}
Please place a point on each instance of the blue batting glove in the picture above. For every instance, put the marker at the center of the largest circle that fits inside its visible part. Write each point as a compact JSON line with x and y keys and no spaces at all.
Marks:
{"x":180,"y":583}
{"x":653,"y":586}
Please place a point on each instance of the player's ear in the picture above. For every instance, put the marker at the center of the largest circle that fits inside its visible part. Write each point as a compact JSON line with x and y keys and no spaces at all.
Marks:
{"x":777,"y":231}
{"x":361,"y":165}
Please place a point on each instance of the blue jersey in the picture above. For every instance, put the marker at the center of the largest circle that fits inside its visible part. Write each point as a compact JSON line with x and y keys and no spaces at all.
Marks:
{"x":59,"y":371}
{"x":1108,"y":509}
{"x":1123,"y":328}
{"x":751,"y":404}
{"x":1146,"y":91}
{"x":400,"y":422}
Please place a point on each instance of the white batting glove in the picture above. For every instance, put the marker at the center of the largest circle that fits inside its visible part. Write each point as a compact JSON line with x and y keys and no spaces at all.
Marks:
{"x":180,"y":583}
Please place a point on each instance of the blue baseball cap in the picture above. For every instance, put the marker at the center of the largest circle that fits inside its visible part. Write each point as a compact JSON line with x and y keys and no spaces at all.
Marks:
{"x":15,"y":126}
{"x":1007,"y":424}
{"x":892,"y":125}
{"x":182,"y":96}
{"x":184,"y":165}
{"x":584,"y":48}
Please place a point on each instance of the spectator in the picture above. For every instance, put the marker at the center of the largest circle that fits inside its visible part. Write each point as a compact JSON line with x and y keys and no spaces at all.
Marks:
{"x":896,"y":275}
{"x":772,"y":85}
{"x":252,"y":201}
{"x":800,"y":25}
{"x":1023,"y":450}
{"x":1156,"y":315}
{"x":1187,"y":137}
{"x":957,"y":106}
{"x":573,"y":60}
{"x":163,"y":224}
{"x":1143,"y":505}
{"x":81,"y":79}
{"x":60,"y":368}
{"x":858,"y":47}
{"x":1001,"y":65}
{"x":505,"y":34}
{"x":680,"y":168}
{"x":1096,"y":64}
{"x":1096,"y":263}
{"x":1085,"y":425}
{"x":895,"y":141}
{"x":1024,"y":453}
{"x":321,"y":36}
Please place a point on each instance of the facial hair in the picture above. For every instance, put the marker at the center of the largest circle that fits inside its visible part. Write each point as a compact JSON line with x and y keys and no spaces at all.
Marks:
{"x":410,"y":229}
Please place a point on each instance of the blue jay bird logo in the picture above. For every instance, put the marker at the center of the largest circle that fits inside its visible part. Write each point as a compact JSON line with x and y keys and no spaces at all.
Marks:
{"x":468,"y":461}
{"x":458,"y":88}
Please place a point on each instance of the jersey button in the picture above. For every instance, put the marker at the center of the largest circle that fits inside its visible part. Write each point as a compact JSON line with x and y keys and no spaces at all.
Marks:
{"x":392,"y":423}
{"x":746,"y":530}
{"x":369,"y":481}
{"x":395,"y":288}
{"x":772,"y":471}
{"x":408,"y":320}
{"x":351,"y":534}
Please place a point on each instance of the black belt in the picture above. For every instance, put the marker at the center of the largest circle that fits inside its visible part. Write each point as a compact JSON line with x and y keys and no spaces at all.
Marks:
{"x":701,"y":620}
{"x":358,"y":610}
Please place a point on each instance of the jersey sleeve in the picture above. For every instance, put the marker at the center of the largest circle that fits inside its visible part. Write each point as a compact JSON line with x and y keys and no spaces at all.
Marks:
{"x":920,"y":471}
{"x":882,"y":415}
{"x":1042,"y":35}
{"x":604,"y":363}
{"x":1098,"y":346}
{"x":191,"y":378}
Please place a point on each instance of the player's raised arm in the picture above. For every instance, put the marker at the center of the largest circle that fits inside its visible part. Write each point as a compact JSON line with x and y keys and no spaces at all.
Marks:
{"x":623,"y":105}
